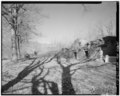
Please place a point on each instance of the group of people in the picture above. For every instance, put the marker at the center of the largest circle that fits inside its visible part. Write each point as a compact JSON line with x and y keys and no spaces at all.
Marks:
{"x":28,"y":56}
{"x":68,"y":53}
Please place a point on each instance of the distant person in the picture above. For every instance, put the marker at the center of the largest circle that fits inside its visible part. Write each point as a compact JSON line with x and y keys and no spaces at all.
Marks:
{"x":86,"y":50}
{"x":35,"y":53}
{"x":86,"y":53}
{"x":75,"y":54}
{"x":101,"y":55}
{"x":27,"y":56}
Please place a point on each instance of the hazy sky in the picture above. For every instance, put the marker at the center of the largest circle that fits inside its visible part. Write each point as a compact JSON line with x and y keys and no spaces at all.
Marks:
{"x":60,"y":24}
{"x":67,"y":22}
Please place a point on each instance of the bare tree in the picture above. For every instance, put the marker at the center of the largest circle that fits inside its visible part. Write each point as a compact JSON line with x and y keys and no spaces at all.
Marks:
{"x":105,"y":30}
{"x":109,"y":29}
{"x":12,"y":13}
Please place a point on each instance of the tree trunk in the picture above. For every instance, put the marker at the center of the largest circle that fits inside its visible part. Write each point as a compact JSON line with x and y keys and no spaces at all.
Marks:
{"x":67,"y":87}
{"x":18,"y":47}
{"x":14,"y":47}
{"x":15,"y":36}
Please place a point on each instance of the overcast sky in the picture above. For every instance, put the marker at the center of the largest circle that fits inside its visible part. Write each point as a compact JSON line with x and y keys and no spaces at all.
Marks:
{"x":58,"y":25}
{"x":66,"y":22}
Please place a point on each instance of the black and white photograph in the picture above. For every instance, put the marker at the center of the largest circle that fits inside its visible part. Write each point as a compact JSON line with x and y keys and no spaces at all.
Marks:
{"x":59,"y":48}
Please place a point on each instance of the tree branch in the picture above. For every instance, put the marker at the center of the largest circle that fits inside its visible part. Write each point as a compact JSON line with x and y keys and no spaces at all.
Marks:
{"x":81,"y":62}
{"x":88,"y":66}
{"x":6,"y":9}
{"x":46,"y":73}
{"x":8,"y":20}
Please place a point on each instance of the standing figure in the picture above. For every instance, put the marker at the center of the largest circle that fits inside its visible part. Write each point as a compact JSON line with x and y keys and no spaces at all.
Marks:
{"x":86,"y":50}
{"x":101,"y":55}
{"x":86,"y":53}
{"x":75,"y":54}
